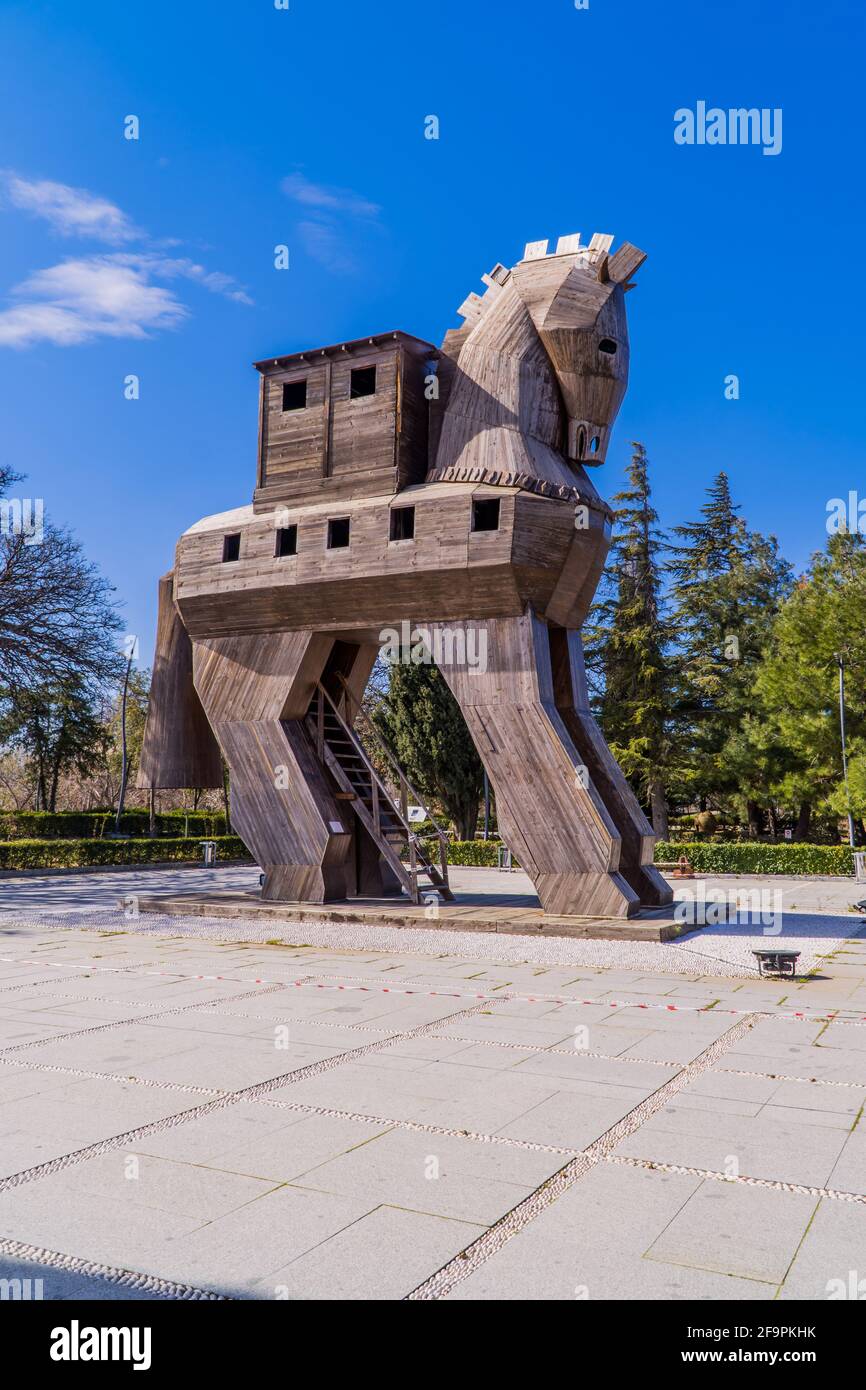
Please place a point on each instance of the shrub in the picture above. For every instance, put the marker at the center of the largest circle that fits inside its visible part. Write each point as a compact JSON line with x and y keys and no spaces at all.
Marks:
{"x":60,"y":853}
{"x":87,"y":825}
{"x":475,"y":853}
{"x":752,"y":857}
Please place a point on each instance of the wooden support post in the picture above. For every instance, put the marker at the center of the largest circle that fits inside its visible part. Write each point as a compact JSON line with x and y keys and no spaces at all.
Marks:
{"x":557,"y":825}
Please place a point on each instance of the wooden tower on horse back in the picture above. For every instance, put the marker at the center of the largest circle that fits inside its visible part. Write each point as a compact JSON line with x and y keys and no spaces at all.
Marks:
{"x":403,"y":488}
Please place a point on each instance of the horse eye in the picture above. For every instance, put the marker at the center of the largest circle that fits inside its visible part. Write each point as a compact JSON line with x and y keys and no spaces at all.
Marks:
{"x":607,"y":345}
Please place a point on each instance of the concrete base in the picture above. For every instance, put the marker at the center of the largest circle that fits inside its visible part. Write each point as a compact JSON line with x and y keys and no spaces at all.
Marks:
{"x":493,"y":913}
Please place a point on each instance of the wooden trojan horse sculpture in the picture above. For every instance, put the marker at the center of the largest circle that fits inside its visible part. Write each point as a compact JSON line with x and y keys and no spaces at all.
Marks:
{"x":400,"y":486}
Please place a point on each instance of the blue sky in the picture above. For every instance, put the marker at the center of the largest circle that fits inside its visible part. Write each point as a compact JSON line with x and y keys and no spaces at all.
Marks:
{"x":261,"y":126}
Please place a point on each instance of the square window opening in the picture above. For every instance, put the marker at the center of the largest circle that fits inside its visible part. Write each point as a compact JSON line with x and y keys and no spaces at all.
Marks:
{"x":232,"y":547}
{"x":362,"y":383}
{"x":402,"y":523}
{"x":295,"y":395}
{"x":287,"y":542}
{"x":485,"y":514}
{"x":338,"y":533}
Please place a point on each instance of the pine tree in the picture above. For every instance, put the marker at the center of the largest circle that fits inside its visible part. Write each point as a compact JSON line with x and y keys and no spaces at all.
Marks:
{"x":423,"y":724}
{"x":727,"y":587}
{"x":627,"y":642}
{"x":797,"y":683}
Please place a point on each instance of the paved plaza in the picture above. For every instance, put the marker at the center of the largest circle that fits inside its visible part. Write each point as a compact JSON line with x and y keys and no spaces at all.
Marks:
{"x":190,"y":1115}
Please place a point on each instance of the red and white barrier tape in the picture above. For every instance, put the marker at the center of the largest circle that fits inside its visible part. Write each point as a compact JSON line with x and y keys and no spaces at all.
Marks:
{"x":794,"y":1015}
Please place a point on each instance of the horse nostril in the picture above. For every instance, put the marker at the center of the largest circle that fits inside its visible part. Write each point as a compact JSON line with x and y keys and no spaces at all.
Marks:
{"x":593,"y":448}
{"x":607,"y":345}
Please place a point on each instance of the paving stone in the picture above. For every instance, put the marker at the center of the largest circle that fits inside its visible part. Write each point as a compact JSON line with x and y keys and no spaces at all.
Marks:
{"x":139,"y":1180}
{"x":434,"y":1174}
{"x":232,"y":1066}
{"x":779,"y":1150}
{"x":199,"y":1140}
{"x":830,"y":1117}
{"x":719,"y":1085}
{"x":568,"y":1120}
{"x":93,"y":1110}
{"x":590,"y":1239}
{"x":92,"y":1228}
{"x":849,"y":1174}
{"x":656,"y":1045}
{"x":285,"y":1154}
{"x":473,"y":1103}
{"x":831,"y":1261}
{"x":350,"y":1264}
{"x":237,"y":1252}
{"x":21,"y":1149}
{"x":15,"y":1084}
{"x":747,"y":1232}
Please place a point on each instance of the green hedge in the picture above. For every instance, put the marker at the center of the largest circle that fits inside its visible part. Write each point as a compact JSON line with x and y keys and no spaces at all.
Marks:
{"x":710,"y":857}
{"x":73,"y":854}
{"x":706,"y":855}
{"x":474,"y":853}
{"x":93,"y":825}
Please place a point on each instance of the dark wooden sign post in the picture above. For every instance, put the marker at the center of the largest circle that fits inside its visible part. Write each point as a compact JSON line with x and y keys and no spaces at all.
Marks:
{"x":401,"y":487}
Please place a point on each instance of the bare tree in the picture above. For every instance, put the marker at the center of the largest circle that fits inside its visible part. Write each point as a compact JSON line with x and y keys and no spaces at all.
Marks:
{"x":57,"y":615}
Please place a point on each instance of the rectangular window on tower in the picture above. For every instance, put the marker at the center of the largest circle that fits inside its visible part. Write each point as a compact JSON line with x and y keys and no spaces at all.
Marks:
{"x":295,"y":395}
{"x":485,"y":514}
{"x":287,"y":542}
{"x":338,"y":533}
{"x":402,"y":523}
{"x":362,"y":382}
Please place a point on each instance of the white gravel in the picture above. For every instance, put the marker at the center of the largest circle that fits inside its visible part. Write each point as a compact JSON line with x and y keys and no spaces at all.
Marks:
{"x":724,"y":950}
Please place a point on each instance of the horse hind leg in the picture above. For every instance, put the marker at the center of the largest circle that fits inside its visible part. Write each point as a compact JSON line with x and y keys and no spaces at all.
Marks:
{"x":550,"y":814}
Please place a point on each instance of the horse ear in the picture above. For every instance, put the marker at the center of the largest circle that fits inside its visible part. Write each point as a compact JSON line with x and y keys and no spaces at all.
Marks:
{"x":625,"y":263}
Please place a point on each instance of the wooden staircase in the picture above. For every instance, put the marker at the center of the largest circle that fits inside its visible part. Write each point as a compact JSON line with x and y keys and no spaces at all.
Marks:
{"x":384,"y":816}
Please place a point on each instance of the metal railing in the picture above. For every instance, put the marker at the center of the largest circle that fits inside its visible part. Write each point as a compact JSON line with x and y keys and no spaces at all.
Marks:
{"x":405,"y":786}
{"x":379,"y":791}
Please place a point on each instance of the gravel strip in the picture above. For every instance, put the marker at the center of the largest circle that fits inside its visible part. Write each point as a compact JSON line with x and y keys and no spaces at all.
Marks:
{"x":719,"y":951}
{"x":130,"y":1279}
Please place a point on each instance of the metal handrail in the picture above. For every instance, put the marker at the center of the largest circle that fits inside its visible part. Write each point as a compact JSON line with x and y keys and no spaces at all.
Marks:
{"x":406,"y":786}
{"x":377,"y":785}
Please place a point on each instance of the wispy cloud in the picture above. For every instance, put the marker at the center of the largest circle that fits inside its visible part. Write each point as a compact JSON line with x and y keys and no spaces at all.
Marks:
{"x":328,"y":198}
{"x":327,"y":245}
{"x":333,"y":219}
{"x":70,"y":211}
{"x":173,"y":267}
{"x":115,"y":294}
{"x":94,"y":297}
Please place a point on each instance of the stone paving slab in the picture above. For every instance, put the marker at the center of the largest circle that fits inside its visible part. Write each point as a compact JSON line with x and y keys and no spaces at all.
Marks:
{"x":416,"y":1109}
{"x":592,"y":1244}
{"x":747,"y":1232}
{"x":830,"y":1261}
{"x":761,"y":1147}
{"x":426,"y":1173}
{"x":350,"y":1265}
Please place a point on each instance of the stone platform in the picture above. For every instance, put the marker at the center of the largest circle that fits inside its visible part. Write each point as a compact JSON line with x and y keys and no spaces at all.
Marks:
{"x":515,"y":914}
